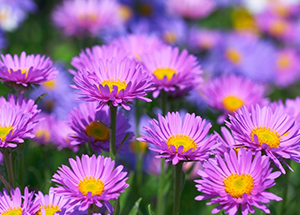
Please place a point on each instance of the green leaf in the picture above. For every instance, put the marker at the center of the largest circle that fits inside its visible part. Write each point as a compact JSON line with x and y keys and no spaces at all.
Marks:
{"x":135,"y":208}
{"x":149,"y":210}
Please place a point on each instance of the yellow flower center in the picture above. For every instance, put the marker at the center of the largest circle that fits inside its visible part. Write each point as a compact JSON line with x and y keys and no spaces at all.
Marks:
{"x":181,"y":140}
{"x":95,"y":186}
{"x":49,"y":85}
{"x":162,"y":72}
{"x":24,"y":70}
{"x":125,"y":12}
{"x":232,"y":103}
{"x":4,"y":130}
{"x":284,"y":62}
{"x":99,"y":131}
{"x":43,"y":133}
{"x":267,"y":136}
{"x":243,"y":21}
{"x":143,"y":146}
{"x":145,"y":9}
{"x":169,"y":37}
{"x":13,"y":211}
{"x":234,"y":56}
{"x":49,"y":209}
{"x":236,"y":185}
{"x":278,"y":27}
{"x":91,"y":17}
{"x":111,"y":83}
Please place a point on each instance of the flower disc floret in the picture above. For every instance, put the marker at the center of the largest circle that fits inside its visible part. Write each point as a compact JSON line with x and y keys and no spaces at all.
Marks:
{"x":178,"y":139}
{"x":268,"y":129}
{"x":236,"y":185}
{"x":90,"y":180}
{"x":118,"y":83}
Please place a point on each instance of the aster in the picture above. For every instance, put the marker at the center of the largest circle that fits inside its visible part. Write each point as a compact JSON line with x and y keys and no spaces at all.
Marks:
{"x":90,"y":180}
{"x":237,"y":180}
{"x":287,"y":67}
{"x":173,"y":71}
{"x":61,"y":135}
{"x":78,"y":17}
{"x":264,"y":129}
{"x":26,"y":70}
{"x":88,"y":57}
{"x":245,"y":57}
{"x":191,"y":9}
{"x":112,"y":82}
{"x":229,"y":92}
{"x":18,"y":118}
{"x":92,"y":125}
{"x":51,"y":204}
{"x":43,"y":129}
{"x":178,"y":139}
{"x":15,"y":203}
{"x":131,"y":44}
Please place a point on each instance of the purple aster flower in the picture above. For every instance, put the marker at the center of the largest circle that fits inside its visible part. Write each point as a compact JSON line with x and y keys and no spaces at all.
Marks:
{"x":78,"y":17}
{"x":88,"y":57}
{"x":15,"y":203}
{"x":227,"y":141}
{"x":229,"y":92}
{"x":237,"y":181}
{"x":287,"y":67}
{"x":52,"y":204}
{"x":118,"y":83}
{"x":131,"y":44}
{"x":244,"y":54}
{"x":272,"y":131}
{"x":55,"y":102}
{"x":61,"y":135}
{"x":173,"y":71}
{"x":43,"y":129}
{"x":203,"y":39}
{"x":290,"y":106}
{"x":92,"y":125}
{"x":179,"y":140}
{"x":26,"y":69}
{"x":192,"y":9}
{"x":18,"y":118}
{"x":92,"y":180}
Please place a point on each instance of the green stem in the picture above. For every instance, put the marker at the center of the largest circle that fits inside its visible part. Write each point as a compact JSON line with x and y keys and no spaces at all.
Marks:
{"x":90,"y":210}
{"x":160,"y":194}
{"x":177,"y":187}
{"x":113,"y":122}
{"x":9,"y":166}
{"x":239,"y":212}
{"x":139,"y":155}
{"x":285,"y":190}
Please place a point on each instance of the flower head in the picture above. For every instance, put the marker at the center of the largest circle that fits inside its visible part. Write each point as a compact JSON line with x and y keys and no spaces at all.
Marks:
{"x":90,"y":180}
{"x":193,"y":9}
{"x":237,"y":181}
{"x":18,"y":118}
{"x":26,"y":69}
{"x":78,"y":17}
{"x":93,"y":126}
{"x":230,"y":92}
{"x":43,"y":130}
{"x":17,"y":204}
{"x":118,"y":83}
{"x":179,"y":140}
{"x":52,"y":203}
{"x":172,"y":71}
{"x":263,"y":129}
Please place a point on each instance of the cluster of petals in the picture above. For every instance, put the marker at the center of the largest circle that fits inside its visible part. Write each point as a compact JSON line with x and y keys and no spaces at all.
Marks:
{"x":93,"y":85}
{"x":229,"y":92}
{"x":90,"y":180}
{"x":26,"y":69}
{"x":79,"y":17}
{"x":178,"y":139}
{"x":252,"y":174}
{"x":172,"y":70}
{"x":92,"y":125}
{"x":18,"y":117}
{"x":271,"y":130}
{"x":16,"y":203}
